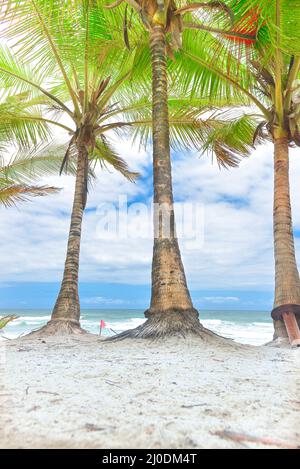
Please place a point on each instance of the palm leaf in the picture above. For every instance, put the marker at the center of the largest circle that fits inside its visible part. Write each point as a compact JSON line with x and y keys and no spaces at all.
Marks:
{"x":16,"y":193}
{"x":105,"y":154}
{"x":42,"y":160}
{"x":6,"y":319}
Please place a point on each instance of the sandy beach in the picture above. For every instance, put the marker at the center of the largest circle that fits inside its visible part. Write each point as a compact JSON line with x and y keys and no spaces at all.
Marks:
{"x":81,"y":392}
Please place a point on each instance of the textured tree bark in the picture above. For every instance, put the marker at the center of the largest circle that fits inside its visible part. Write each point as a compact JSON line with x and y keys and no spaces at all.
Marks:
{"x":169,"y":287}
{"x":171,"y":311}
{"x":66,"y":313}
{"x":287,"y":284}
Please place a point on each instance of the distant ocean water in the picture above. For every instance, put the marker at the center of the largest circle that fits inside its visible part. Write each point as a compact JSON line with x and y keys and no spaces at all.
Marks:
{"x":247,"y":327}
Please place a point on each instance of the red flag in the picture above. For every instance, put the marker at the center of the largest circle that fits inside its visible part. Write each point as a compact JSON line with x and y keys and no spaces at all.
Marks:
{"x":102,"y":324}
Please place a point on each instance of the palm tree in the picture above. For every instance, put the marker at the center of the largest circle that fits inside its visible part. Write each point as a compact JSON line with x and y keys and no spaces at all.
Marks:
{"x":88,"y":100}
{"x":79,"y":101}
{"x":263,"y":71}
{"x":171,"y":310}
{"x":84,"y":96}
{"x":51,"y":36}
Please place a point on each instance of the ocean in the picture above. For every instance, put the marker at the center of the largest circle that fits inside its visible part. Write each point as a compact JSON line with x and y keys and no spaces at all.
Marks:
{"x":246,"y":327}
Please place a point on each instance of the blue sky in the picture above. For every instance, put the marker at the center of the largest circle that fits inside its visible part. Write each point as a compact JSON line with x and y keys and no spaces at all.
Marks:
{"x":41,"y":295}
{"x":231,"y":268}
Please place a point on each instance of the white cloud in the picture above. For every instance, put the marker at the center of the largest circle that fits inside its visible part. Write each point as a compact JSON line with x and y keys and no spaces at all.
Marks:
{"x":220,"y":299}
{"x":100,"y":300}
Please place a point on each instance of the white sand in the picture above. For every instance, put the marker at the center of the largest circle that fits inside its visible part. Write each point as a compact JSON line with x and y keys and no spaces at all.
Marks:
{"x":83,"y":393}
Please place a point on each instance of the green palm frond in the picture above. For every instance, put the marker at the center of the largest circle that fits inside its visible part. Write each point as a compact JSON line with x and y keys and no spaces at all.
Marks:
{"x":17,"y":177}
{"x":62,"y":53}
{"x":230,"y":137}
{"x":6,"y":319}
{"x":42,"y":160}
{"x":205,"y":67}
{"x":73,"y":40}
{"x":21,"y":124}
{"x":276,"y":19}
{"x":105,"y":153}
{"x":225,"y":134}
{"x":79,"y":45}
{"x":21,"y":77}
{"x":16,"y":193}
{"x":16,"y":76}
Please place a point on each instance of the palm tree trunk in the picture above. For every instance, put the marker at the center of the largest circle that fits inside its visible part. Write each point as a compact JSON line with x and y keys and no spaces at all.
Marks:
{"x":171,"y":311}
{"x":66,"y":313}
{"x":169,"y":287}
{"x":287,"y":284}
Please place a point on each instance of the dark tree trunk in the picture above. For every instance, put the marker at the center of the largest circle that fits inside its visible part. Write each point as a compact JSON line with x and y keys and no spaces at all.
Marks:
{"x":287,"y":284}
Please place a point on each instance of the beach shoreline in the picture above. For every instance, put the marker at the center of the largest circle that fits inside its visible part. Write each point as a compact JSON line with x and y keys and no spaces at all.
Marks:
{"x":246,"y":327}
{"x":82,"y":392}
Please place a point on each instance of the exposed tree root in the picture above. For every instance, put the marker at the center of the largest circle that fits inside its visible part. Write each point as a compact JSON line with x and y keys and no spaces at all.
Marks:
{"x":281,"y":335}
{"x":58,"y":327}
{"x":279,"y":330}
{"x":279,"y":342}
{"x":167,"y":324}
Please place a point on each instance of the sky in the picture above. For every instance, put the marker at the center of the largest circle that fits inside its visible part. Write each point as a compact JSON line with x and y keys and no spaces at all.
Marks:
{"x":227,"y":253}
